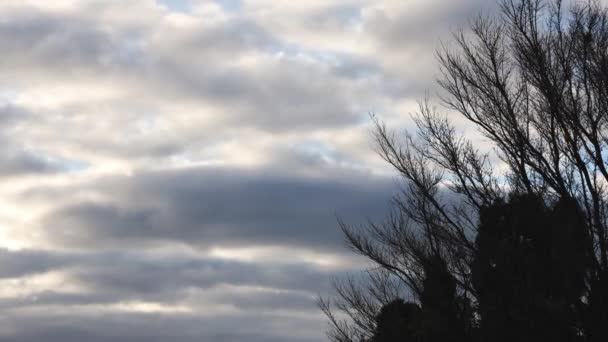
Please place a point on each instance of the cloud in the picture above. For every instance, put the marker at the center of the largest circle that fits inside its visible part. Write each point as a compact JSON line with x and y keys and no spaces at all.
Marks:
{"x":162,"y":277}
{"x":173,"y":169}
{"x":138,"y":327}
{"x":174,"y":288}
{"x":18,"y":160}
{"x":23,"y":162}
{"x":15,"y":265}
{"x":209,"y":206}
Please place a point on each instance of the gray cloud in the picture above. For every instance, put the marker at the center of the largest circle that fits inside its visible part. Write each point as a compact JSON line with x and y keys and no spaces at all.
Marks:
{"x":119,"y":276}
{"x":273,"y":293}
{"x":125,"y":327}
{"x":108,"y":109}
{"x":425,"y":23}
{"x":22,"y":162}
{"x":59,"y":44}
{"x":164,"y":277}
{"x":209,"y":206}
{"x":15,"y":159}
{"x":17,"y":264}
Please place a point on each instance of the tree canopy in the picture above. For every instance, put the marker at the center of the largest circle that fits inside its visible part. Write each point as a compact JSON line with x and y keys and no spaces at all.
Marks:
{"x":502,"y":244}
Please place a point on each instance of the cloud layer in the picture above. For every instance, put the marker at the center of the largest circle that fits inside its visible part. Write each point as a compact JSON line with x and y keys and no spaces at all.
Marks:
{"x":173,"y":169}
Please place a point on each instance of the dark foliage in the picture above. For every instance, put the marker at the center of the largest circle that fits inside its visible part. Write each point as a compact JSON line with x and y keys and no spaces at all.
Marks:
{"x":398,"y":321}
{"x":529,"y":270}
{"x":505,"y":242}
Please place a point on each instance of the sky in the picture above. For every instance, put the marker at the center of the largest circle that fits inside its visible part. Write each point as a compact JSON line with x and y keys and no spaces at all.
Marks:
{"x":172,"y":170}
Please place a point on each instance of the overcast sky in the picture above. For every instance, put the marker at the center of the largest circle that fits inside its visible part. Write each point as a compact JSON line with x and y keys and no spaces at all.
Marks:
{"x":171,"y":170}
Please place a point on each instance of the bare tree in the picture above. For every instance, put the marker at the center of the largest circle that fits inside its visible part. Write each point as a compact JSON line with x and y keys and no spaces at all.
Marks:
{"x":534,"y":81}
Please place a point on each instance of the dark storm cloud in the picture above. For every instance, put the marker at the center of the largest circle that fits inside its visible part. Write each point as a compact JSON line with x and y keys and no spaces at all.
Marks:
{"x":209,"y":206}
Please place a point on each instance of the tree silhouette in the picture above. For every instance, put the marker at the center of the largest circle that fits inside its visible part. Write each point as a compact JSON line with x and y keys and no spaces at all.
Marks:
{"x":508,"y":243}
{"x":398,"y":321}
{"x":442,"y":315}
{"x":529,"y":270}
{"x":438,"y":318}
